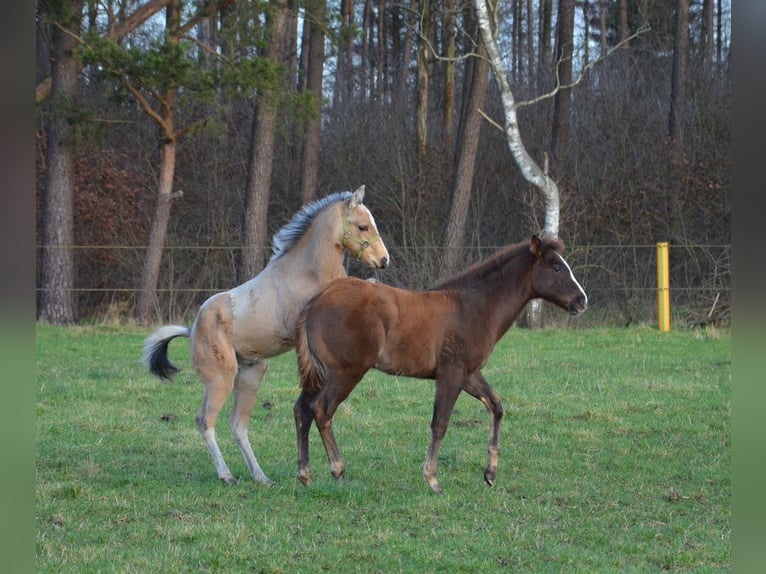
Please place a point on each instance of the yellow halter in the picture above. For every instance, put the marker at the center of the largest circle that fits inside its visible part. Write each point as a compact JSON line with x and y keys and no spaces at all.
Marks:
{"x":363,"y":243}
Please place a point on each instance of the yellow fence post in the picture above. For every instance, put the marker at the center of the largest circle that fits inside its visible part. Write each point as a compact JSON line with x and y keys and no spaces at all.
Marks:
{"x":663,"y":287}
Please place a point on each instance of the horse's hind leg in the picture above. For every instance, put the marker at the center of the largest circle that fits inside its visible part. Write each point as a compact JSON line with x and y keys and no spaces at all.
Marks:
{"x":477,"y":386}
{"x":214,"y":396}
{"x":245,"y":390}
{"x":303,"y":420}
{"x":323,"y":407}
{"x":216,"y":363}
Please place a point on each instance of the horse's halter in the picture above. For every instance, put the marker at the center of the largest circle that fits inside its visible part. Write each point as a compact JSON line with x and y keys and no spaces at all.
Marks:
{"x":363,"y":243}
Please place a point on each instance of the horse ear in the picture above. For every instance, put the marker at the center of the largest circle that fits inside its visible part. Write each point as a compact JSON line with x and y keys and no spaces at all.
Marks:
{"x":357,"y":197}
{"x":534,"y":246}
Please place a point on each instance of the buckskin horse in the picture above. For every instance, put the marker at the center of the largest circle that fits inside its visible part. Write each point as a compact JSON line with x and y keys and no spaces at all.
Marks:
{"x":446,"y":334}
{"x":236,"y":331}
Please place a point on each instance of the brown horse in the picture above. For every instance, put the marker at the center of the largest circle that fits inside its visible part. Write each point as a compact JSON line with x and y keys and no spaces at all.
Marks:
{"x":446,"y":334}
{"x":236,"y":331}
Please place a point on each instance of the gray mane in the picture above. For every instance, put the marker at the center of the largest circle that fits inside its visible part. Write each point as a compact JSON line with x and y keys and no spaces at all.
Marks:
{"x":289,"y":235}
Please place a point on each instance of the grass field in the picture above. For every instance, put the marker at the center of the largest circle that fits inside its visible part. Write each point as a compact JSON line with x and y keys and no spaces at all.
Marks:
{"x":615,"y":458}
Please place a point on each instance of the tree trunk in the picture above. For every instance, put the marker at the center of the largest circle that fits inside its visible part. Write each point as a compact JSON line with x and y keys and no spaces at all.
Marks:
{"x":58,"y":272}
{"x":678,"y":80}
{"x":622,"y":8}
{"x":719,"y":32}
{"x":475,"y":85}
{"x":529,"y":169}
{"x":422,"y":112}
{"x":530,"y":42}
{"x":403,"y":72}
{"x":561,"y":108}
{"x":449,"y":75}
{"x":147,"y":296}
{"x":382,"y":50}
{"x":256,"y":232}
{"x":562,"y":99}
{"x":344,"y":61}
{"x":586,"y":33}
{"x":602,"y":27}
{"x":517,"y":36}
{"x":706,"y":39}
{"x":676,"y":153}
{"x":544,"y":41}
{"x":314,"y":73}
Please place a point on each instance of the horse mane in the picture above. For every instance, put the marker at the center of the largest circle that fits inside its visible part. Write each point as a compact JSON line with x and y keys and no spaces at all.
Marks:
{"x":478,"y":273}
{"x":285,"y":238}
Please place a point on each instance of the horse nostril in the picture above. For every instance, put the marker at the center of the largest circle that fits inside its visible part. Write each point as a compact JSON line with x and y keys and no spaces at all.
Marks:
{"x":384,"y":263}
{"x":578,"y":305}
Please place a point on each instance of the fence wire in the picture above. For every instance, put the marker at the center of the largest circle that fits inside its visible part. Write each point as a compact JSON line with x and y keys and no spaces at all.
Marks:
{"x":621,"y":280}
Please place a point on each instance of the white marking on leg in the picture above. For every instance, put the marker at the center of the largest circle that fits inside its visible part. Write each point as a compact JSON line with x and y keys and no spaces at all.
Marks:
{"x":240,"y":435}
{"x":220,"y":465}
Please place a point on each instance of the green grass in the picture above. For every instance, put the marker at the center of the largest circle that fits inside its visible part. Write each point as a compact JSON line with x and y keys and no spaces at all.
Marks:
{"x":615,"y":457}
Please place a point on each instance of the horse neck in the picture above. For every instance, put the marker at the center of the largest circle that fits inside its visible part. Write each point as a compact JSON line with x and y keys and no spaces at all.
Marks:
{"x":320,"y":248}
{"x":503,"y":292}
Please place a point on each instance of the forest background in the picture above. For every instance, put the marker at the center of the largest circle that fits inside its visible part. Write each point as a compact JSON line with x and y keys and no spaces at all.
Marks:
{"x":175,"y":137}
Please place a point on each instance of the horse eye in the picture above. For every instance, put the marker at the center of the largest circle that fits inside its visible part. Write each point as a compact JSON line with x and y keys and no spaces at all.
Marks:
{"x":362,"y":228}
{"x":557,"y":268}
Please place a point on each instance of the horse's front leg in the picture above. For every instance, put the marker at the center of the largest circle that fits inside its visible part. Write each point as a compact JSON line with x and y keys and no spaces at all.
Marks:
{"x":447,"y":390}
{"x":477,"y":386}
{"x":245,"y":390}
{"x":303,"y":420}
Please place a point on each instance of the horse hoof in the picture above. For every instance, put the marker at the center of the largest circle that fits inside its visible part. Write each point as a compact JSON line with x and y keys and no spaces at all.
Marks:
{"x":230,"y":480}
{"x":435,"y":487}
{"x":489,"y":478}
{"x":304,"y":478}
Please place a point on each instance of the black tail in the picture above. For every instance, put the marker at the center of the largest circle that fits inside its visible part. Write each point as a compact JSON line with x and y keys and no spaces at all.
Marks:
{"x":155,"y":354}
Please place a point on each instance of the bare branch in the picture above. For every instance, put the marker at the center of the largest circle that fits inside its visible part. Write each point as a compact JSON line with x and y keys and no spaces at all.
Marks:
{"x":150,"y":111}
{"x":492,"y":122}
{"x":201,"y":15}
{"x":644,"y":28}
{"x":138,"y":17}
{"x":206,"y":48}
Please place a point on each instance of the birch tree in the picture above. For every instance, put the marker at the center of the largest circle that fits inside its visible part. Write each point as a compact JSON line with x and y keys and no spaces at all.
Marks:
{"x":530,"y":170}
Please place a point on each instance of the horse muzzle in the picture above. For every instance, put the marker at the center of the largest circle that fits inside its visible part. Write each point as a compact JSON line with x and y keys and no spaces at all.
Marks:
{"x":374,"y":263}
{"x":578,"y":306}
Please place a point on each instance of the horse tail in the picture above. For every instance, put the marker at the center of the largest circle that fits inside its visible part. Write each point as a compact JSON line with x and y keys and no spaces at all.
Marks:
{"x":309,"y":366}
{"x":155,"y":354}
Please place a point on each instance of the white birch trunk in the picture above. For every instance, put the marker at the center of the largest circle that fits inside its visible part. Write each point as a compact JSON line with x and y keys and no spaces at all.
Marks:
{"x":529,"y":168}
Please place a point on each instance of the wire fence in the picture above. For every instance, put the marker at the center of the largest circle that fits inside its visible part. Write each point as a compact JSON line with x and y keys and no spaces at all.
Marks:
{"x":621,"y":280}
